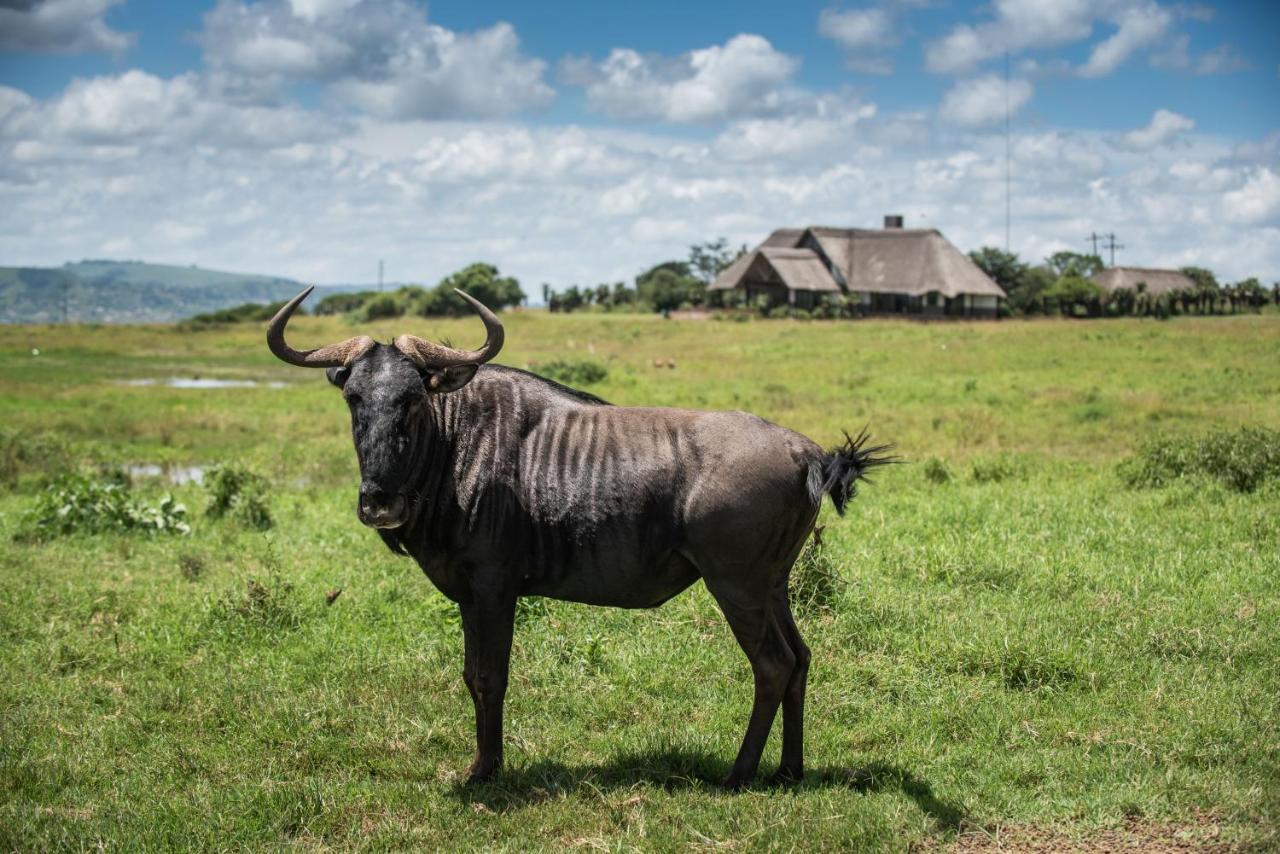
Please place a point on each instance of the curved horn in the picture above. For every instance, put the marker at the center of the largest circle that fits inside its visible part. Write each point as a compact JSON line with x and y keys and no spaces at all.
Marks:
{"x":427,"y":354}
{"x":333,"y":356}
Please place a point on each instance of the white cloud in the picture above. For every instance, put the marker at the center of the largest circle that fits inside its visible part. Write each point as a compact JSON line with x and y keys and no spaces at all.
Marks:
{"x":60,"y":26}
{"x":1019,"y":26}
{"x":1139,"y":27}
{"x":983,"y":100}
{"x":745,"y":76}
{"x":384,"y":58}
{"x":855,"y":29}
{"x":1164,"y":126}
{"x":1257,"y":202}
{"x":863,"y":34}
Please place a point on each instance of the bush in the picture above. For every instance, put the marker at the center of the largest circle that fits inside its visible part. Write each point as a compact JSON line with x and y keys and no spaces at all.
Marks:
{"x":239,"y":494}
{"x":996,"y":469}
{"x":573,"y":372}
{"x":1242,"y":459}
{"x":936,"y":470}
{"x":40,"y":454}
{"x":269,"y":604}
{"x":75,"y":504}
{"x":815,"y":584}
{"x":249,"y":311}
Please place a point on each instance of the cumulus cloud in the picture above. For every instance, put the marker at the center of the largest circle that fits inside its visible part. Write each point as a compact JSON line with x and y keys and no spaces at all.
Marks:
{"x":863,"y":34}
{"x":1025,"y":25}
{"x":384,"y":58}
{"x":1257,"y":201}
{"x":855,"y":29}
{"x":983,"y":100}
{"x":1165,"y":125}
{"x":744,"y":76}
{"x":1138,"y":27}
{"x":60,"y":26}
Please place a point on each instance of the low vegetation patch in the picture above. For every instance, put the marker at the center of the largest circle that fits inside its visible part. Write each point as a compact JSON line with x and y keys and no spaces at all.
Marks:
{"x":238,"y":493}
{"x":268,"y":603}
{"x":936,"y":470}
{"x":815,"y":582}
{"x":573,"y":372}
{"x":1241,"y":459}
{"x":75,"y":504}
{"x":998,"y":468}
{"x":40,"y":454}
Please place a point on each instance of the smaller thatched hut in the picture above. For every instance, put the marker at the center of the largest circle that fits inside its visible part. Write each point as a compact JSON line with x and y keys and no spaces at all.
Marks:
{"x":1156,"y":281}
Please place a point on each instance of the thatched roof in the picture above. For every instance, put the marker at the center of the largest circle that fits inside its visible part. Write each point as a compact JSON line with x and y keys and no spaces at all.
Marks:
{"x":894,"y":260}
{"x":798,"y":269}
{"x":1158,"y":281}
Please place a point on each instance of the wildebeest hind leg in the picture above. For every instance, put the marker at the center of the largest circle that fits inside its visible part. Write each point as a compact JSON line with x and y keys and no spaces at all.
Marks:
{"x":792,"y":767}
{"x":772,"y":663}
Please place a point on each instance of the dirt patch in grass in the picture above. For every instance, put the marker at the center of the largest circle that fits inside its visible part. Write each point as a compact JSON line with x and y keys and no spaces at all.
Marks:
{"x":1203,"y":837}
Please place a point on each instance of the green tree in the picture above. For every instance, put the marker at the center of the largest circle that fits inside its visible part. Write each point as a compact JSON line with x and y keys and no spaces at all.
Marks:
{"x":1207,"y":289}
{"x":1029,"y":296}
{"x":706,"y":260}
{"x":481,"y":281}
{"x":1072,"y":292}
{"x":1074,"y":264}
{"x":669,"y":285}
{"x":1004,"y":268}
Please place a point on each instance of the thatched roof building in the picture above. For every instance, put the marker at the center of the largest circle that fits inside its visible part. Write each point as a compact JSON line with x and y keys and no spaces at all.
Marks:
{"x":893,"y":270}
{"x":1157,"y":281}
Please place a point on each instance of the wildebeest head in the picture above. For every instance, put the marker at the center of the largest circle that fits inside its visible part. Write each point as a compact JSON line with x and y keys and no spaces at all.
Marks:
{"x":385,"y":386}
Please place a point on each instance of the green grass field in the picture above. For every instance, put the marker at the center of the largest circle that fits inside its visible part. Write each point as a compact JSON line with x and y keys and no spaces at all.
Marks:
{"x":1030,"y":647}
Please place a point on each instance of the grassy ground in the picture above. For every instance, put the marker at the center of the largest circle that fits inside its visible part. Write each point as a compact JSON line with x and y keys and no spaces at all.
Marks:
{"x":1028,"y":647}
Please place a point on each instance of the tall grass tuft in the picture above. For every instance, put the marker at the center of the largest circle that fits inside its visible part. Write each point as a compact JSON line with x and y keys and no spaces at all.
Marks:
{"x":1240,"y":459}
{"x":238,"y":493}
{"x":815,"y":583}
{"x":41,"y":454}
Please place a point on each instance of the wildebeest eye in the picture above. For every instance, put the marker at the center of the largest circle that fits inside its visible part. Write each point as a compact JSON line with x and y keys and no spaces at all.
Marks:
{"x":338,"y":376}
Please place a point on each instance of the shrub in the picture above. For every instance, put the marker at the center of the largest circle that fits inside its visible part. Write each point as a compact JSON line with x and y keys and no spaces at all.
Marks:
{"x":1242,"y":459}
{"x":936,"y":470}
{"x":996,"y":469}
{"x":571,"y":372}
{"x":815,"y":584}
{"x":239,"y":494}
{"x":39,"y":454}
{"x":269,"y":604}
{"x":75,"y":504}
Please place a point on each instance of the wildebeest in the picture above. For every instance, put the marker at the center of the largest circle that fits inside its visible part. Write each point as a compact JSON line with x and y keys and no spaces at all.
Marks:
{"x":503,"y":484}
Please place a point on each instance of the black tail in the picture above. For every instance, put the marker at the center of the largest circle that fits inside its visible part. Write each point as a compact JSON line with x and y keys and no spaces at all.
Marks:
{"x":838,"y":472}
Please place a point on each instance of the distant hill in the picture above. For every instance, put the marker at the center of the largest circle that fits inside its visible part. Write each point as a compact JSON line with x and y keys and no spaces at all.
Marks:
{"x":101,"y":291}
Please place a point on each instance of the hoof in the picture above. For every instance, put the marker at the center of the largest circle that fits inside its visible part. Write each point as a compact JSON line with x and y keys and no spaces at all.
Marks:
{"x":481,"y":773}
{"x":787,"y":777}
{"x":734,"y":783}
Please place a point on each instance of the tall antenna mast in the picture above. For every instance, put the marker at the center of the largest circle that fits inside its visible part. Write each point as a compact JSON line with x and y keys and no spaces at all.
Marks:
{"x":379,"y":275}
{"x":1006,"y":151}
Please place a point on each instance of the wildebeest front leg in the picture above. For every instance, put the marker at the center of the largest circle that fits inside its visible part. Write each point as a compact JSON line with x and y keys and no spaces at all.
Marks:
{"x":487,"y":627}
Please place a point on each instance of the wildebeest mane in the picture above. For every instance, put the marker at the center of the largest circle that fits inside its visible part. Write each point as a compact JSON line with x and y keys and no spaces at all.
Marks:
{"x":580,"y":396}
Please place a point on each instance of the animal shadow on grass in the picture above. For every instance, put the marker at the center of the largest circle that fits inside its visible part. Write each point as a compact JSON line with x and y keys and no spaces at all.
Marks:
{"x":675,"y":769}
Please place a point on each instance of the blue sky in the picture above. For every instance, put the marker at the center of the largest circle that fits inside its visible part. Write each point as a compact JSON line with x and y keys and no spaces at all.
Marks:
{"x":577,"y":142}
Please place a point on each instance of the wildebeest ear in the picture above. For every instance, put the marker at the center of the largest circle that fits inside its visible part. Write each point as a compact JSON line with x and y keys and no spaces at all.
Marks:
{"x":441,"y":380}
{"x":338,"y":376}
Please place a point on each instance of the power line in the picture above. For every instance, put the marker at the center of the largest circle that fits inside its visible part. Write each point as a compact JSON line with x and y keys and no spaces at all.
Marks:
{"x":1113,"y":246}
{"x":1094,"y":237}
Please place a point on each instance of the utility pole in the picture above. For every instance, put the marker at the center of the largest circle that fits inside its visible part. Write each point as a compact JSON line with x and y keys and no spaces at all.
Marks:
{"x":1113,"y":246}
{"x":1006,"y":151}
{"x":1094,"y":237}
{"x":379,"y":275}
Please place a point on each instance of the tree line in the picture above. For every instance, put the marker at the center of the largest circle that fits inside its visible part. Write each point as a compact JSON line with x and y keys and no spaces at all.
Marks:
{"x":1063,"y":285}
